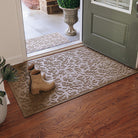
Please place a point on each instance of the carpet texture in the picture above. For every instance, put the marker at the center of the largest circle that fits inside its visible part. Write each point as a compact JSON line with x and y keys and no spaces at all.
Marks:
{"x":76,"y":72}
{"x":44,"y":42}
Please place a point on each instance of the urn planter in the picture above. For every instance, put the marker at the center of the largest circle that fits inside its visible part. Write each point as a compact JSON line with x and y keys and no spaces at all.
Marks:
{"x":70,"y":8}
{"x":70,"y":18}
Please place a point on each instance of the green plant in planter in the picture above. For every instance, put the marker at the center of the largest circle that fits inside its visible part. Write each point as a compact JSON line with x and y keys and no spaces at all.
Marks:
{"x":7,"y":72}
{"x":70,"y":8}
{"x":69,"y":3}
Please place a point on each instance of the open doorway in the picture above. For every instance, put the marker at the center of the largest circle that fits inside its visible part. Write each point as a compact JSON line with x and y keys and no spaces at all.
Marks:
{"x":44,"y":30}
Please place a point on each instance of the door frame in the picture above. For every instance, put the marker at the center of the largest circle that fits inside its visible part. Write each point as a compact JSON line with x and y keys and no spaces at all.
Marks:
{"x":44,"y":52}
{"x":21,"y":29}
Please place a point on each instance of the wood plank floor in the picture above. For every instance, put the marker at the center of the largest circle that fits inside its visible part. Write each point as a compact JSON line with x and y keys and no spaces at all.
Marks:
{"x":109,"y":112}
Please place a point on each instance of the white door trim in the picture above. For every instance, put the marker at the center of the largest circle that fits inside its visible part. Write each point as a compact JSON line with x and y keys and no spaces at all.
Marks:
{"x":21,"y":29}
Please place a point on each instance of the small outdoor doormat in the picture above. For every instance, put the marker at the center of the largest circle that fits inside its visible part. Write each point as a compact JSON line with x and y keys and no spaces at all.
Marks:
{"x":76,"y":72}
{"x":44,"y":42}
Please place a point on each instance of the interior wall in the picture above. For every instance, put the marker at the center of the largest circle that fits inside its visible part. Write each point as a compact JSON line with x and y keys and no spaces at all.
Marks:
{"x":12,"y":41}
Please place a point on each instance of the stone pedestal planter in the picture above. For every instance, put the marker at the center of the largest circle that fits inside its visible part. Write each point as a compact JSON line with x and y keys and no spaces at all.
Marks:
{"x":70,"y":17}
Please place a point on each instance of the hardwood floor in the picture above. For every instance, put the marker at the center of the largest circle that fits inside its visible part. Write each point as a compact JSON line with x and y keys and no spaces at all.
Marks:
{"x":109,"y":112}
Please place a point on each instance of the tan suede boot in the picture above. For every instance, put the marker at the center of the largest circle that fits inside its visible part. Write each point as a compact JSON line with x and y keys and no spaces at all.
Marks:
{"x":39,"y":84}
{"x":31,"y":67}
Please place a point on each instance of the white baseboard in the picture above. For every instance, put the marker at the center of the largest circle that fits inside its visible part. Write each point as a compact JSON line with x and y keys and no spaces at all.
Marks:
{"x":15,"y":60}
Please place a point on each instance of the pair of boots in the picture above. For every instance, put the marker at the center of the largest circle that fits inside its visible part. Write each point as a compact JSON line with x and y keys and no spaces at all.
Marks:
{"x":38,"y":82}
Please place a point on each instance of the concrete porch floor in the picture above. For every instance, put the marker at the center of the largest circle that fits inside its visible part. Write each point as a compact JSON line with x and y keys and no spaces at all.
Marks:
{"x":38,"y":23}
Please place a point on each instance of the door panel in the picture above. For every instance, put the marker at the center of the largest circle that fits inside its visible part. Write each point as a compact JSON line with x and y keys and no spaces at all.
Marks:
{"x":111,"y":32}
{"x":116,"y":31}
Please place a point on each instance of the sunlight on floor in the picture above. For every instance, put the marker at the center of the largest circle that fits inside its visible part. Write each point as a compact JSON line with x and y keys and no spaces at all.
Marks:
{"x":38,"y":23}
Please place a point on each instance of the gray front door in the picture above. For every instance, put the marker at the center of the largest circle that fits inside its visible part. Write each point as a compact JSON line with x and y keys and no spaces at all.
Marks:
{"x":111,"y":28}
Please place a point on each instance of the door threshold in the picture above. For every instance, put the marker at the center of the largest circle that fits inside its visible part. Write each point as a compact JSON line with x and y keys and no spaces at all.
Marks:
{"x":54,"y":50}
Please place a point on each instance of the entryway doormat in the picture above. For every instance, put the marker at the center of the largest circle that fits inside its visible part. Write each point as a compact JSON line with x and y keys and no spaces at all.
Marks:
{"x":76,"y":72}
{"x":45,"y":42}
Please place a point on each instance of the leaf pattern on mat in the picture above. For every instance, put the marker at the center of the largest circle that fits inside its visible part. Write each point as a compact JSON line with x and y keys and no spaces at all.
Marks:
{"x":44,"y":42}
{"x":75,"y":72}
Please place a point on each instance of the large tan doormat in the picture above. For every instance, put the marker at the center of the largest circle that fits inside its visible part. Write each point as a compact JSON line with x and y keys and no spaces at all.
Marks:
{"x":76,"y":72}
{"x":44,"y":42}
